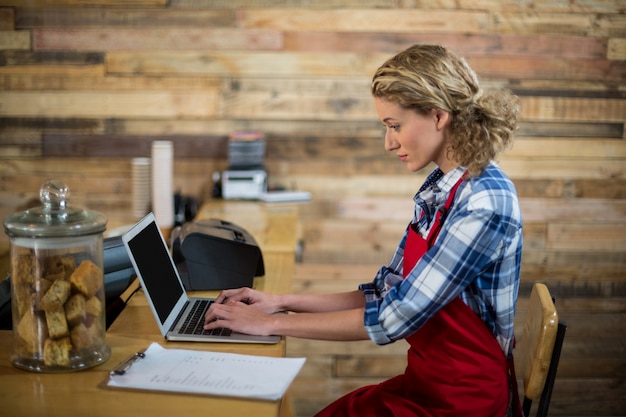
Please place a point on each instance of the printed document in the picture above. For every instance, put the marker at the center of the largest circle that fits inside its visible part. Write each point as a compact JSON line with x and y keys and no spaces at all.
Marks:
{"x":213,"y":373}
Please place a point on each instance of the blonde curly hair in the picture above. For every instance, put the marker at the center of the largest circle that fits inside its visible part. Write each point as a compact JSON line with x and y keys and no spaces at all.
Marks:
{"x":427,"y":77}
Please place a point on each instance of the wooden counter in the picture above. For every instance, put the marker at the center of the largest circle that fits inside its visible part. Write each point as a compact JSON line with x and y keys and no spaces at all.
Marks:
{"x":24,"y":393}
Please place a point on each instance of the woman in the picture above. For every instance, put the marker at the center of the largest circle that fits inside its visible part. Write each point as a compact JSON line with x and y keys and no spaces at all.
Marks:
{"x":451,"y":287}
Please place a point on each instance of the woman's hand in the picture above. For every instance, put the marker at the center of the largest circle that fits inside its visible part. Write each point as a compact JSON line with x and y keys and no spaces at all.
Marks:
{"x":243,"y":310}
{"x":267,"y":303}
{"x":240,"y":317}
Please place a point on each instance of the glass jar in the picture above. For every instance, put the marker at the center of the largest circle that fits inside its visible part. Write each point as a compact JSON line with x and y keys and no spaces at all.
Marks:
{"x":57,"y":284}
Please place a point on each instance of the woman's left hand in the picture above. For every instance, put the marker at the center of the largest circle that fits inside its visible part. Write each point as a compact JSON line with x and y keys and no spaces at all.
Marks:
{"x":239,"y":317}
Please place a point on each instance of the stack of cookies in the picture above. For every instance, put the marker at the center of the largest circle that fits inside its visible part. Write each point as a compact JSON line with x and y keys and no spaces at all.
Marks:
{"x":58,"y":307}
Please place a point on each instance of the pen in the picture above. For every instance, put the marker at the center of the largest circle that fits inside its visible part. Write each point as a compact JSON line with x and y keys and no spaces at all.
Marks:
{"x":127,"y":363}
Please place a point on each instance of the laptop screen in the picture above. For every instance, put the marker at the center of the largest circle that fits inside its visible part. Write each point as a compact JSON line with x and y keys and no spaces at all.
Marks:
{"x":156,"y":268}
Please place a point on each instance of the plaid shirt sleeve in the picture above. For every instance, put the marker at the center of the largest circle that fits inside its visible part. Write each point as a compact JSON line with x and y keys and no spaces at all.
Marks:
{"x":477,"y":256}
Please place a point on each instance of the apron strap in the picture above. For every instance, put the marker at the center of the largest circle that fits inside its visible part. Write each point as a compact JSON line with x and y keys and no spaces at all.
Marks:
{"x":442,"y":213}
{"x":420,"y":245}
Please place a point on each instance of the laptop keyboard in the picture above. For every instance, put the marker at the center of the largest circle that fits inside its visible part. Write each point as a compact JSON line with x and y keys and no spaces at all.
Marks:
{"x":195,"y":321}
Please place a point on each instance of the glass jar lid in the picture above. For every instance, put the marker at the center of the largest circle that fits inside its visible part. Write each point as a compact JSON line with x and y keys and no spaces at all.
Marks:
{"x":55,"y":218}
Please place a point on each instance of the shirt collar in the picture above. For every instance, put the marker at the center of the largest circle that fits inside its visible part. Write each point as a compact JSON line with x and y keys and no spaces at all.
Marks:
{"x":447,"y":181}
{"x":438,"y":182}
{"x":434,"y":193}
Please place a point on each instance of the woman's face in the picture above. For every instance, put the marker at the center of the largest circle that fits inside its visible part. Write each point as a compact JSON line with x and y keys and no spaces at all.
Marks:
{"x":416,"y":139}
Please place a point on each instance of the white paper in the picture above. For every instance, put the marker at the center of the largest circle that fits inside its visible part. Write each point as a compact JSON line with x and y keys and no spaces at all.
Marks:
{"x":285,"y":196}
{"x":214,"y":373}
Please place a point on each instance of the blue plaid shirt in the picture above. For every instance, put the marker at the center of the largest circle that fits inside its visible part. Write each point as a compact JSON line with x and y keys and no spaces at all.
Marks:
{"x":477,"y":255}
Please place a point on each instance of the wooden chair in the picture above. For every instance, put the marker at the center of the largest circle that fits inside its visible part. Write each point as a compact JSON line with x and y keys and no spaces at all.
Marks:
{"x":539,"y":350}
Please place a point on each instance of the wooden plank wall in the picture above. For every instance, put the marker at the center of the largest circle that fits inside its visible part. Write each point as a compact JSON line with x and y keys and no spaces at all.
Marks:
{"x":87,"y":84}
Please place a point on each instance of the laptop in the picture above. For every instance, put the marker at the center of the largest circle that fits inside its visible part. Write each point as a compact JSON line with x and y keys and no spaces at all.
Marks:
{"x":179,"y":317}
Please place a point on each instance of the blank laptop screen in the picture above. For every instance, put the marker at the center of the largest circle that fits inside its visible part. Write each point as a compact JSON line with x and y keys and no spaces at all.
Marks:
{"x":157,"y":271}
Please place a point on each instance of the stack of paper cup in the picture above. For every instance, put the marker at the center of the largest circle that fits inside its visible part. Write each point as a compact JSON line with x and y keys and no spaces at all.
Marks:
{"x":141,"y":187}
{"x":162,"y":184}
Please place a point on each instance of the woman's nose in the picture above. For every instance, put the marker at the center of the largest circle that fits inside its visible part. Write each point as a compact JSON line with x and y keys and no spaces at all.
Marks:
{"x":390,"y":142}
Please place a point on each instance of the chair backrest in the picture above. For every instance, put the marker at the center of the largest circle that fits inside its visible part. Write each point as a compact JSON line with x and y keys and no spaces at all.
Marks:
{"x":539,"y":352}
{"x":532,"y":361}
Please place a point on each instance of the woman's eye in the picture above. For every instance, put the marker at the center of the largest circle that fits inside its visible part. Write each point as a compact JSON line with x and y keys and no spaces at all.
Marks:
{"x":391,"y":127}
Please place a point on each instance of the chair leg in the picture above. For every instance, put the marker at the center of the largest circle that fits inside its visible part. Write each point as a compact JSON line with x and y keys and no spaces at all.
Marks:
{"x":526,"y":406}
{"x":546,"y":395}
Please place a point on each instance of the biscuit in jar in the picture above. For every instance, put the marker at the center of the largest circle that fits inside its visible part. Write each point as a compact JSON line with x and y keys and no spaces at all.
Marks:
{"x":56,"y":295}
{"x":24,"y":268}
{"x":57,"y":323}
{"x":69,"y":265}
{"x":75,"y":310}
{"x":32,"y":331}
{"x":52,"y":268}
{"x":87,"y":278}
{"x":84,"y":337}
{"x":93,"y":306}
{"x":57,"y":352}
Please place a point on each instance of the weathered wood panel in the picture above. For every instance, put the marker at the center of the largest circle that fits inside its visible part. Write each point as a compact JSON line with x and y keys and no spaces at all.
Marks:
{"x":557,"y":23}
{"x":348,"y":64}
{"x":79,"y":3}
{"x":574,"y":109}
{"x":108,"y":104}
{"x":597,"y":237}
{"x":110,"y":176}
{"x":84,"y":89}
{"x":109,"y":16}
{"x":30,"y":58}
{"x":7,"y":19}
{"x":470,"y":45}
{"x":367,"y":20}
{"x":564,"y":6}
{"x":617,"y":49}
{"x":69,"y":81}
{"x":132,"y":146}
{"x":265,"y":64}
{"x":10,"y":40}
{"x":150,"y":39}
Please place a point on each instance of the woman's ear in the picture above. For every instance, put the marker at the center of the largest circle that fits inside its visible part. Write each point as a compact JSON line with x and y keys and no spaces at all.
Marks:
{"x":442,"y":118}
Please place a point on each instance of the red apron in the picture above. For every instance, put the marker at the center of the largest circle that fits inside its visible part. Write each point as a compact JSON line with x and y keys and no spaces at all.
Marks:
{"x":455,"y":365}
